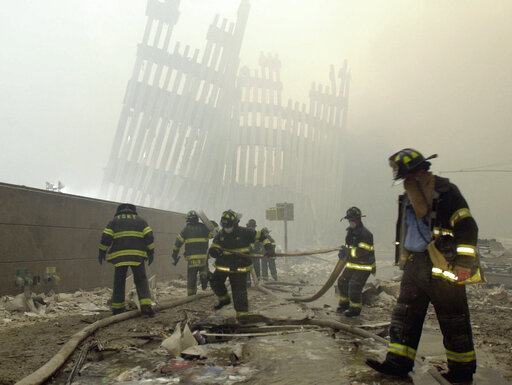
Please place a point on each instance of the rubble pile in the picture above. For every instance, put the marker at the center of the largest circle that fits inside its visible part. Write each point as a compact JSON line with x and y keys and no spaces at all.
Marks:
{"x":19,"y":310}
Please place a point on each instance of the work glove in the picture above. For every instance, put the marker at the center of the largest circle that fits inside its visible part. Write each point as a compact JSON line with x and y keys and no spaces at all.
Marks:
{"x":101,"y":258}
{"x":462,"y":274}
{"x":215,"y":252}
{"x":175,"y":258}
{"x":343,"y":252}
{"x":151,"y":256}
{"x":271,"y":252}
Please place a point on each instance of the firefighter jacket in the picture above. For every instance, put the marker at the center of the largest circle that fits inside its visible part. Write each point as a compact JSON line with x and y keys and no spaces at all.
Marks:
{"x":239,"y":241}
{"x":195,"y":236}
{"x":361,"y":255}
{"x":257,"y":248}
{"x":129,"y":238}
{"x":450,"y":216}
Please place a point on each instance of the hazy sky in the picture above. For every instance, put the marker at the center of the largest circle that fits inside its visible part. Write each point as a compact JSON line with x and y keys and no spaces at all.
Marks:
{"x":434,"y":75}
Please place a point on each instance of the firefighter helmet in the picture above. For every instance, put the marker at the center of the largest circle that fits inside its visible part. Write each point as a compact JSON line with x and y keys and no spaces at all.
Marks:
{"x":408,"y":161}
{"x":251,"y":223}
{"x":192,"y":216}
{"x":229,"y":219}
{"x":126,"y":207}
{"x":353,"y":213}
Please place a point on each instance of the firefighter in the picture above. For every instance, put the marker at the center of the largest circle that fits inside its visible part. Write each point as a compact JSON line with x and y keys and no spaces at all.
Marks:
{"x":256,"y":249}
{"x":195,"y":235}
{"x":268,"y":263}
{"x":436,"y":248}
{"x":129,"y":242}
{"x":231,"y":241}
{"x":358,"y":249}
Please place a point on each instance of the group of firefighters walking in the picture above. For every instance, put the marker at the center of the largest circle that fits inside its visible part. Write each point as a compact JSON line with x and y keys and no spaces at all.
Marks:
{"x":435,"y":248}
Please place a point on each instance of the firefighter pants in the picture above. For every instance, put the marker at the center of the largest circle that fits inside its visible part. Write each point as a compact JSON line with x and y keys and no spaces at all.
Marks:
{"x":256,"y":263}
{"x":141,"y":284}
{"x":192,"y":273}
{"x":350,"y":285}
{"x":238,"y":289}
{"x":417,"y":289}
{"x":266,"y":264}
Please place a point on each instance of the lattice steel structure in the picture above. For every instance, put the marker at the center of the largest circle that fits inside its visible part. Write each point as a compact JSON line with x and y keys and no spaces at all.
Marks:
{"x":200,"y":132}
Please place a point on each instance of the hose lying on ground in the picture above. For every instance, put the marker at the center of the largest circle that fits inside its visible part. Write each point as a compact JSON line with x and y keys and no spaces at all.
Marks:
{"x":334,"y":275}
{"x":47,"y":370}
{"x":298,"y":254}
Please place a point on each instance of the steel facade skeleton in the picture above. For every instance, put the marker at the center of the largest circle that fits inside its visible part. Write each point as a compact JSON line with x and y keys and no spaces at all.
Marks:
{"x":202,"y":132}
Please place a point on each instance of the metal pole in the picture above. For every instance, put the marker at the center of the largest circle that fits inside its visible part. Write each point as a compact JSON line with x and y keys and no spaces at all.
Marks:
{"x":285,"y":236}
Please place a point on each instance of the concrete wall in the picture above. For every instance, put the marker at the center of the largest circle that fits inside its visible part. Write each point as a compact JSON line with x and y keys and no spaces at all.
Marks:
{"x":40,"y":229}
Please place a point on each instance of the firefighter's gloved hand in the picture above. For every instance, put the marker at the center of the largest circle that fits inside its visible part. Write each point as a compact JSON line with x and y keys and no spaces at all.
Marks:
{"x":462,"y":274}
{"x":101,"y":258}
{"x":215,"y":252}
{"x":175,"y":257}
{"x":271,"y":252}
{"x":151,"y":256}
{"x":343,"y":252}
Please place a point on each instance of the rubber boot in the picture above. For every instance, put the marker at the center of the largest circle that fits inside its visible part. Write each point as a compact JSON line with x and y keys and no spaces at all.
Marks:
{"x":458,"y":377}
{"x":147,"y":310}
{"x":352,"y":312}
{"x":343,"y":306}
{"x":117,"y":311}
{"x":387,"y":368}
{"x":222,"y":303}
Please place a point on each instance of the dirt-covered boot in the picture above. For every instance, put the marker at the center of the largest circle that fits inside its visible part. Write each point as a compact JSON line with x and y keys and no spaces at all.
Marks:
{"x":147,"y":310}
{"x":352,"y":312}
{"x":342,"y":307}
{"x":222,"y":302}
{"x":117,"y":311}
{"x":458,"y":377}
{"x":387,"y":368}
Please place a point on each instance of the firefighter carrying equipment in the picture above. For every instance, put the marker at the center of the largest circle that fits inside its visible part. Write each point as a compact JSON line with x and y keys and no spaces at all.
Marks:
{"x":449,"y":216}
{"x":423,"y":283}
{"x":128,"y":238}
{"x":229,"y":250}
{"x":360,"y":264}
{"x":408,"y":161}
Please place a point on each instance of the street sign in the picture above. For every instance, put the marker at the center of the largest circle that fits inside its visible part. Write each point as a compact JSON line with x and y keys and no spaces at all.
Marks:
{"x":286,"y":210}
{"x":282,"y":212}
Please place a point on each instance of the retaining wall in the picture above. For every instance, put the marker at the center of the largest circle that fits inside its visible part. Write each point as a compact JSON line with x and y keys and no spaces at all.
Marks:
{"x":41,"y":229}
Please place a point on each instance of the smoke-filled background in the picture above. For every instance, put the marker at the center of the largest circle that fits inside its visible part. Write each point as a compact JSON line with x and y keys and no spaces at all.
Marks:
{"x":433,"y":75}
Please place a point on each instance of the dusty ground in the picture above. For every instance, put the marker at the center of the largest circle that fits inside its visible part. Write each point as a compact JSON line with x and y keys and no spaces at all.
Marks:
{"x":28,"y":343}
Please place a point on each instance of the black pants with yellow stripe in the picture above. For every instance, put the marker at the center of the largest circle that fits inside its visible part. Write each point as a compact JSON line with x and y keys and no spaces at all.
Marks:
{"x":417,"y":289}
{"x":350,"y":285}
{"x":141,"y":284}
{"x":192,"y":272}
{"x":238,"y":289}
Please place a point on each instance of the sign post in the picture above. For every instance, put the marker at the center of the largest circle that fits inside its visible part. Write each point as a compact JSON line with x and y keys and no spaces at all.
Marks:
{"x":281,"y":212}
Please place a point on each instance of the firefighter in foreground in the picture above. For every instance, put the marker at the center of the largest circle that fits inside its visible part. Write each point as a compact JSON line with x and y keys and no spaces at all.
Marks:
{"x":195,"y":235}
{"x":436,"y":248}
{"x":226,"y":246}
{"x":358,"y":249}
{"x":130,"y":240}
